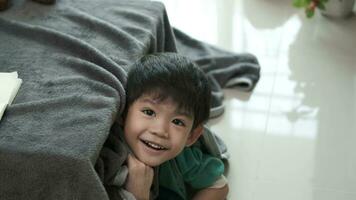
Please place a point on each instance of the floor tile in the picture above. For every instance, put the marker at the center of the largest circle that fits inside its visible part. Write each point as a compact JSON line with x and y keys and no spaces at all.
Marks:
{"x":294,"y":136}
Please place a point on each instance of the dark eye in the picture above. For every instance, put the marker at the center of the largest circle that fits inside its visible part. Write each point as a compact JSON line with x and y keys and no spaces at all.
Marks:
{"x":148,"y":112}
{"x":178,"y":122}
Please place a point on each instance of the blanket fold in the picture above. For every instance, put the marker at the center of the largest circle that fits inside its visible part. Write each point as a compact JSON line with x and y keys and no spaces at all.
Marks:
{"x":224,"y":69}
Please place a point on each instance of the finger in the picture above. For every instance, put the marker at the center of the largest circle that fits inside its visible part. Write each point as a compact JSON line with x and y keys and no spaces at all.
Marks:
{"x":130,"y":160}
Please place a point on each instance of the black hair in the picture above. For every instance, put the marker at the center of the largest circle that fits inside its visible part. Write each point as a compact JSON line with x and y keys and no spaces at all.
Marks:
{"x":170,"y":75}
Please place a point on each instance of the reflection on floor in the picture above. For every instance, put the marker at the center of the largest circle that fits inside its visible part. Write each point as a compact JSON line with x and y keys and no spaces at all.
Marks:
{"x":294,"y":136}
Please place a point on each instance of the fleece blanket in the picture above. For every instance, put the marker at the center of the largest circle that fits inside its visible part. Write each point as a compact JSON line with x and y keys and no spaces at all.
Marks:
{"x":72,"y":57}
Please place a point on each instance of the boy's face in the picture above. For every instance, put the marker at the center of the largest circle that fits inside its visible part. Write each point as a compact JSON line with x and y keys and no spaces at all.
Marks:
{"x":156,"y":131}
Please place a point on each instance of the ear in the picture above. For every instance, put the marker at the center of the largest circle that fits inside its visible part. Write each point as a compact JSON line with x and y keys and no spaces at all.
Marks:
{"x":194,"y":135}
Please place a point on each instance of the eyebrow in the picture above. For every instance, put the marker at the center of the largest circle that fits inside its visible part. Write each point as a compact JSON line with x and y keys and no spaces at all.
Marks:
{"x":184,"y":113}
{"x":177,"y":111}
{"x":149,"y":100}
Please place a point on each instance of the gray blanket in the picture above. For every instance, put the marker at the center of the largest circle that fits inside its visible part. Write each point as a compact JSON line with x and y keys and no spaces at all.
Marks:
{"x":73,"y":58}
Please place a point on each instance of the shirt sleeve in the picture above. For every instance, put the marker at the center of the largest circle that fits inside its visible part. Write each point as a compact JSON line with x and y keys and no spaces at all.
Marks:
{"x":199,"y":170}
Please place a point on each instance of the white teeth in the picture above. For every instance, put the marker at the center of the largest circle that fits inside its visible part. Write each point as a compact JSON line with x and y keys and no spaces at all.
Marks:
{"x":154,"y":146}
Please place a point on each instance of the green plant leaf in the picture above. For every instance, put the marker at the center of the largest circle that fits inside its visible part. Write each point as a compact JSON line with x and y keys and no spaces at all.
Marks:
{"x":301,"y":3}
{"x":298,"y":3}
{"x":309,"y":13}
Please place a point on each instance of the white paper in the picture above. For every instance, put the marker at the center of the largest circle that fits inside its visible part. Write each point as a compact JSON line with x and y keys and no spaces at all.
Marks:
{"x":9,"y":86}
{"x":11,"y":75}
{"x":2,"y":109}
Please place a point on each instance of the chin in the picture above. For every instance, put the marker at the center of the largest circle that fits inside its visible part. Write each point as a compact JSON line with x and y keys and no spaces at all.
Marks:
{"x":152,"y":163}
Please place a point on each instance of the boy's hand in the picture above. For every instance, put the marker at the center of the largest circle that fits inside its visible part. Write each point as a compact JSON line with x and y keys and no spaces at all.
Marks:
{"x":140,"y":178}
{"x":212,"y":193}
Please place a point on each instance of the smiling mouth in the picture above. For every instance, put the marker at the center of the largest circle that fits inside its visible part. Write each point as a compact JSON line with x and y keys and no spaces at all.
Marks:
{"x":153,"y":145}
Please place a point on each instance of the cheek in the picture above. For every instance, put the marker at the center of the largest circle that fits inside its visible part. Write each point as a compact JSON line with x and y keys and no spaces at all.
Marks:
{"x":130,"y":129}
{"x":132,"y":121}
{"x":179,"y":140}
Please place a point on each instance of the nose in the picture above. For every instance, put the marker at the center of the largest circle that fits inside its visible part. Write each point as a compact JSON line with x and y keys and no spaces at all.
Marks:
{"x":159,"y":127}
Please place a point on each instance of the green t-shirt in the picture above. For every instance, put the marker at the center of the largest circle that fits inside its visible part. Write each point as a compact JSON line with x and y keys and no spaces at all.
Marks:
{"x":190,"y":169}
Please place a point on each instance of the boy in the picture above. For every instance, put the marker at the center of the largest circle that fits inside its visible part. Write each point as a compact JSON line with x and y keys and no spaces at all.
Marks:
{"x":168,"y":100}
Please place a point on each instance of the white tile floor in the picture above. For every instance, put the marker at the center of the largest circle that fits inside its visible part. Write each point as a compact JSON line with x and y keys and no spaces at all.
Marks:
{"x":294,"y":136}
